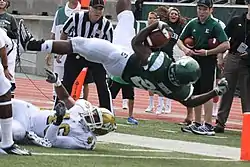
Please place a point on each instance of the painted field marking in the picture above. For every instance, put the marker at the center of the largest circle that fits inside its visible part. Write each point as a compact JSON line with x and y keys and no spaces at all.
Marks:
{"x":124,"y":125}
{"x":144,"y":150}
{"x":168,"y":131}
{"x":134,"y":157}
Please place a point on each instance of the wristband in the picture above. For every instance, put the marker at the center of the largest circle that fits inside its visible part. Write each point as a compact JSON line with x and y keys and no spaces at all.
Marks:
{"x":206,"y":53}
{"x":5,"y":67}
{"x":58,"y":83}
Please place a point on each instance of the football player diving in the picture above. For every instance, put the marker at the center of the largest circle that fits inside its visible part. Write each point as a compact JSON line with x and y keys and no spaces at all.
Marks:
{"x":75,"y":128}
{"x":143,"y":69}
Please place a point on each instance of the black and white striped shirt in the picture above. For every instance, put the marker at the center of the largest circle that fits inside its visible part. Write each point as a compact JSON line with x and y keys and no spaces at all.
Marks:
{"x":80,"y":25}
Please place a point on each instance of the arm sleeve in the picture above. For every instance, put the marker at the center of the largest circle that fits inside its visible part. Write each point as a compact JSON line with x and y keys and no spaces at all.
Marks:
{"x":69,"y":24}
{"x":53,"y":29}
{"x":220,"y":33}
{"x":13,"y":34}
{"x":2,"y":42}
{"x":186,"y":31}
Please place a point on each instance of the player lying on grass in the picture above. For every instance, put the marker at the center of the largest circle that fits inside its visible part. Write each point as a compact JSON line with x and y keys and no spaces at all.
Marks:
{"x":77,"y":129}
{"x":143,"y":69}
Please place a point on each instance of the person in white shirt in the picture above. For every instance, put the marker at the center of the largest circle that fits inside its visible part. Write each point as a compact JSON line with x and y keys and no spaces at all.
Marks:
{"x":7,"y":145}
{"x":61,"y":16}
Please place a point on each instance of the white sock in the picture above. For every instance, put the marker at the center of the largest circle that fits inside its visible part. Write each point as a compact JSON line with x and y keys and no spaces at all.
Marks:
{"x":47,"y":46}
{"x":160,"y":101}
{"x":151,"y":101}
{"x":125,"y":101}
{"x":215,"y":109}
{"x":7,"y":136}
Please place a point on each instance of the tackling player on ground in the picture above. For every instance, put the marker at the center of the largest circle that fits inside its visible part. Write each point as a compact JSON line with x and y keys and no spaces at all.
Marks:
{"x":143,"y":69}
{"x":75,"y":128}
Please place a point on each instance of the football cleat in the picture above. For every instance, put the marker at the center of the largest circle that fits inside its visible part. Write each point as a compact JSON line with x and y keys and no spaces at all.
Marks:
{"x":32,"y":137}
{"x":16,"y":150}
{"x":24,"y":35}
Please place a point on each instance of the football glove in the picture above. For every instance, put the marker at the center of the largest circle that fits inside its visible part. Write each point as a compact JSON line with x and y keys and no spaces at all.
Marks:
{"x":60,"y":112}
{"x":162,"y":25}
{"x":52,"y":78}
{"x":221,"y":87}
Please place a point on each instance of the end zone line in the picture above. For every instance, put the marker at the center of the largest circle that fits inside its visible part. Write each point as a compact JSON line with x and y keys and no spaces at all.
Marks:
{"x":135,"y":157}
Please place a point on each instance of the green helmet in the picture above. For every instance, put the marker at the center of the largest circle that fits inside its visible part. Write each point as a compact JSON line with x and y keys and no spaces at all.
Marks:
{"x":184,"y":71}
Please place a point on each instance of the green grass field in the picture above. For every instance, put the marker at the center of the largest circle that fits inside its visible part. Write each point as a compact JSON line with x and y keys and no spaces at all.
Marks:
{"x":120,"y":155}
{"x":166,"y":130}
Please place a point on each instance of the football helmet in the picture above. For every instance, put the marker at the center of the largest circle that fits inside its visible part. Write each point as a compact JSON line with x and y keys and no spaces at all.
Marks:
{"x":106,"y":119}
{"x":184,"y":71}
{"x":99,"y":120}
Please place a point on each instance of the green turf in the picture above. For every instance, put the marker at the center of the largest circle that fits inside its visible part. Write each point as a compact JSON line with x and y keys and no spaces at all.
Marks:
{"x":156,"y":129}
{"x":113,"y":150}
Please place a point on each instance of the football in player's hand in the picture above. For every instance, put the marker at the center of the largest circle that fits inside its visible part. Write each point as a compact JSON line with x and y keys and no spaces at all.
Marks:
{"x":158,"y":38}
{"x":213,"y":43}
{"x":189,"y":42}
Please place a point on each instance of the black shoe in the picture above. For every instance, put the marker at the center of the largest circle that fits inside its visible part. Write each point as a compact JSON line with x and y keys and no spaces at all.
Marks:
{"x":24,"y":35}
{"x":16,"y":150}
{"x":206,"y":129}
{"x":219,"y":129}
{"x":189,"y":128}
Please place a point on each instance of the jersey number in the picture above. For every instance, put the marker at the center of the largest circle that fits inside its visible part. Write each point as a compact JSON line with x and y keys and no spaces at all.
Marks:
{"x":64,"y":128}
{"x":146,"y":84}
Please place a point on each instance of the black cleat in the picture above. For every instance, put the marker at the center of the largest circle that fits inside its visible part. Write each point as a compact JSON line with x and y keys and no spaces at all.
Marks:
{"x":24,"y":35}
{"x":16,"y":150}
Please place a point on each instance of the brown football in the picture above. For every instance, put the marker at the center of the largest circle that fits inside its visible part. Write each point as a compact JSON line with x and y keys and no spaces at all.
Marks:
{"x":189,"y":42}
{"x":158,"y":38}
{"x":213,"y":43}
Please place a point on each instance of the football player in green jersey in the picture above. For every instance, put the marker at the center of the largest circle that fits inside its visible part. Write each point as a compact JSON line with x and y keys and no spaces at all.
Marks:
{"x":144,"y":69}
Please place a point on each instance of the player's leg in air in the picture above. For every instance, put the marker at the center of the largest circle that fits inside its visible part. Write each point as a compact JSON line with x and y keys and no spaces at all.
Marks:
{"x":124,"y":31}
{"x":95,"y":50}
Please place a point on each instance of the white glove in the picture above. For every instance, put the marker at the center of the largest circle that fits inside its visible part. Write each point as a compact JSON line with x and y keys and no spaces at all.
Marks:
{"x":53,"y":78}
{"x":164,"y":26}
{"x":221,"y":87}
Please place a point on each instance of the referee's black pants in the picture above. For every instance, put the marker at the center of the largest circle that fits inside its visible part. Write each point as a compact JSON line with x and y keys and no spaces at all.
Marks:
{"x":73,"y":66}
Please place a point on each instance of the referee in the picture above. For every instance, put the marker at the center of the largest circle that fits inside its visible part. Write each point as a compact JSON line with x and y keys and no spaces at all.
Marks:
{"x":89,"y":24}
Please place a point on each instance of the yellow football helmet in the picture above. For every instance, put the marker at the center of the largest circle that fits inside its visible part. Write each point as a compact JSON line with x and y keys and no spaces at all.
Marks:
{"x":107,"y":121}
{"x":99,"y":120}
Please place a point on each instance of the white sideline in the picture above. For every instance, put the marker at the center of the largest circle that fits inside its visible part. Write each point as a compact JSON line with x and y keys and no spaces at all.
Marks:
{"x":173,"y":145}
{"x":133,"y":157}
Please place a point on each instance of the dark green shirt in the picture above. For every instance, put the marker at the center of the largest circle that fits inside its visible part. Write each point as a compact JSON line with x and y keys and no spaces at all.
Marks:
{"x":8,"y":22}
{"x":155,"y":76}
{"x":203,"y":31}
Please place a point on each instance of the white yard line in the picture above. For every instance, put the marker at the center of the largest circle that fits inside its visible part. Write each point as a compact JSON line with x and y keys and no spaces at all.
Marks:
{"x":168,"y":131}
{"x":144,"y":150}
{"x":173,"y":145}
{"x":133,"y":157}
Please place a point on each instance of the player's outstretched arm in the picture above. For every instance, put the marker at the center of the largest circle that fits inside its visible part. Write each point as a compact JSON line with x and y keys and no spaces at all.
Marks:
{"x":28,"y":42}
{"x":198,"y":100}
{"x":142,"y":51}
{"x":60,"y":89}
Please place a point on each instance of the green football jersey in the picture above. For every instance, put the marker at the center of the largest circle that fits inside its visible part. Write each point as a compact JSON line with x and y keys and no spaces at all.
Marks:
{"x":155,"y":76}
